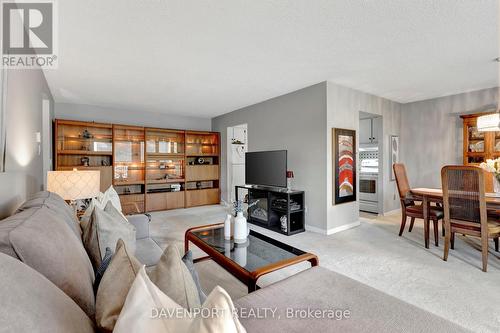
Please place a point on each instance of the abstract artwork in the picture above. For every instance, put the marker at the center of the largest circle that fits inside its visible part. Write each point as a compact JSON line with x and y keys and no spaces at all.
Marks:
{"x":394,"y":156}
{"x":344,"y":155}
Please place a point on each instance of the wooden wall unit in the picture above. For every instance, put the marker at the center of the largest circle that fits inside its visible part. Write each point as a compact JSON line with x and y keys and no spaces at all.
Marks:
{"x":479,"y":146}
{"x":85,"y":146}
{"x":151,"y":168}
{"x":203,"y":168}
{"x":202,"y":197}
{"x":129,"y":167}
{"x":165,"y":168}
{"x":202,"y":172}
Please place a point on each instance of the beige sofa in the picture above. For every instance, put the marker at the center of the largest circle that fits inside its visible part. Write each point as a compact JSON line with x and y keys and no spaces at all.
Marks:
{"x":46,"y":284}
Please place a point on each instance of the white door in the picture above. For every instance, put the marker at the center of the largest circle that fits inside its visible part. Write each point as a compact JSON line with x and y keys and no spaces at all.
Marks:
{"x":46,"y":138}
{"x":365,"y":131}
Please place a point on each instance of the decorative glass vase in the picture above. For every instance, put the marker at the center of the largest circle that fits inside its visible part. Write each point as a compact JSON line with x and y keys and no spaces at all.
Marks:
{"x":240,"y":228}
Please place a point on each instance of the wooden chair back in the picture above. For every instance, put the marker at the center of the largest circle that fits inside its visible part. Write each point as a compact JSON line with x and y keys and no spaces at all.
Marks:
{"x":464,"y":198}
{"x":401,"y":181}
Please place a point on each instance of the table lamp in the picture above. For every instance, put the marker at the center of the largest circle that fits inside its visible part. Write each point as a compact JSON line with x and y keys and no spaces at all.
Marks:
{"x":74,"y":185}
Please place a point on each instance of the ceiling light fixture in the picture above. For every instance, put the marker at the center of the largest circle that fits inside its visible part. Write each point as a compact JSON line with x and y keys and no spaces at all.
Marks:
{"x":490,"y":122}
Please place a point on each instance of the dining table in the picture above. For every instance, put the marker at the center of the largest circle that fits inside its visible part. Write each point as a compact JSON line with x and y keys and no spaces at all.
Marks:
{"x":429,"y":195}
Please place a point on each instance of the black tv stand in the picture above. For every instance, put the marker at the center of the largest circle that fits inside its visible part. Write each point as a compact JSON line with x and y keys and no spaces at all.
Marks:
{"x":273,"y":204}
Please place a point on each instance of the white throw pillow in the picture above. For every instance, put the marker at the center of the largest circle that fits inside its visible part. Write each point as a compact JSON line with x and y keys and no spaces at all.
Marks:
{"x":112,"y":195}
{"x":100,"y":201}
{"x":148,"y":309}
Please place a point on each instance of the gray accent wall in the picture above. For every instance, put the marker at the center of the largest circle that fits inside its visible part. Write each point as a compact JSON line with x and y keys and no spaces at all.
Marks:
{"x":431,"y":133}
{"x":85,"y":112}
{"x":296,"y":122}
{"x":24,"y":165}
{"x":302,"y":123}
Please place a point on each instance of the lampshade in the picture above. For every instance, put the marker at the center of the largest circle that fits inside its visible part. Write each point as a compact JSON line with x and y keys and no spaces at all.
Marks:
{"x":489,"y":122}
{"x":74,"y":185}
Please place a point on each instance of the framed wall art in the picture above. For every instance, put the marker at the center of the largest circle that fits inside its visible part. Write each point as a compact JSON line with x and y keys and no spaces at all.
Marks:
{"x":394,"y":155}
{"x":344,"y":164}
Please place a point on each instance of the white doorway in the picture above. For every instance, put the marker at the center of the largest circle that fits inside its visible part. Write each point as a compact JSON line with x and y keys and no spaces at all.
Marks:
{"x":237,"y":146}
{"x":46,"y":140}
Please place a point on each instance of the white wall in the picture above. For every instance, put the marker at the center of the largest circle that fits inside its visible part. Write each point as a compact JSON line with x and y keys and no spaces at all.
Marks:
{"x":85,"y":112}
{"x":431,"y":134}
{"x":343,"y":107}
{"x":24,"y":166}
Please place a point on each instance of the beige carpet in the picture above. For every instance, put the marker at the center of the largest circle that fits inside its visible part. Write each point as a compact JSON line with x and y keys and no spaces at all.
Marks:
{"x":373,"y":254}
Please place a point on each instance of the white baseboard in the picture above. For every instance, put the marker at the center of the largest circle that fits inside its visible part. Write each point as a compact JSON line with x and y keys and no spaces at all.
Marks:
{"x":332,"y":230}
{"x":342,"y":228}
{"x":392,"y":212}
{"x":315,"y":229}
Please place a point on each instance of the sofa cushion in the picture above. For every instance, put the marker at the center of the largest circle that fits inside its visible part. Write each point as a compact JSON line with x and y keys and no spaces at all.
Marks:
{"x":141,"y":224}
{"x":114,"y":287}
{"x":103,"y":230}
{"x":318,"y":288}
{"x":42,"y":240}
{"x":138,"y":313}
{"x":10,"y":223}
{"x":173,"y":278}
{"x":31,"y":303}
{"x":55,"y":203}
{"x":147,"y":251}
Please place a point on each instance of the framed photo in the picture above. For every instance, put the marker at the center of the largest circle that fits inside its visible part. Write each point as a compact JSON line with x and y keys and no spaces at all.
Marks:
{"x":344,"y":164}
{"x":394,"y":155}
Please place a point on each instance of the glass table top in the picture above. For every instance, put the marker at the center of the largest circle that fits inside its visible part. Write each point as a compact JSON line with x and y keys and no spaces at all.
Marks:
{"x":258,"y":251}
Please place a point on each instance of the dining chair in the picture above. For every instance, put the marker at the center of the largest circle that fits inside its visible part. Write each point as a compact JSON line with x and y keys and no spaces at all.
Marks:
{"x":410,"y":208}
{"x":465,"y":211}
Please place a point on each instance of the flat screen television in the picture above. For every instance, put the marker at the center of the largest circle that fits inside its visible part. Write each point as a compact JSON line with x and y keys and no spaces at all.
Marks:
{"x":266,"y":168}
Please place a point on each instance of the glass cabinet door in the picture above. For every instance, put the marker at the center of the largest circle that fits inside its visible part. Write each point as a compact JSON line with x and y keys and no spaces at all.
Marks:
{"x":475,"y":144}
{"x":496,"y":143}
{"x":128,"y":155}
{"x":165,"y":162}
{"x":202,"y":144}
{"x":165,"y":142}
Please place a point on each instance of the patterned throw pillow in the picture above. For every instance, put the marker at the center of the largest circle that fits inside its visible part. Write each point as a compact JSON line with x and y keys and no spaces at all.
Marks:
{"x":188,"y":261}
{"x":104,"y":265}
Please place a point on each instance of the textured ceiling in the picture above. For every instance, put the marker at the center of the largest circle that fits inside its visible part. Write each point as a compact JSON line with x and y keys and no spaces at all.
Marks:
{"x":205,"y":58}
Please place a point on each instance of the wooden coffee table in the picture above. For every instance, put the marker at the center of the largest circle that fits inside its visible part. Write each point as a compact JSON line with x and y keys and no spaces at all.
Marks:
{"x":259,"y":256}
